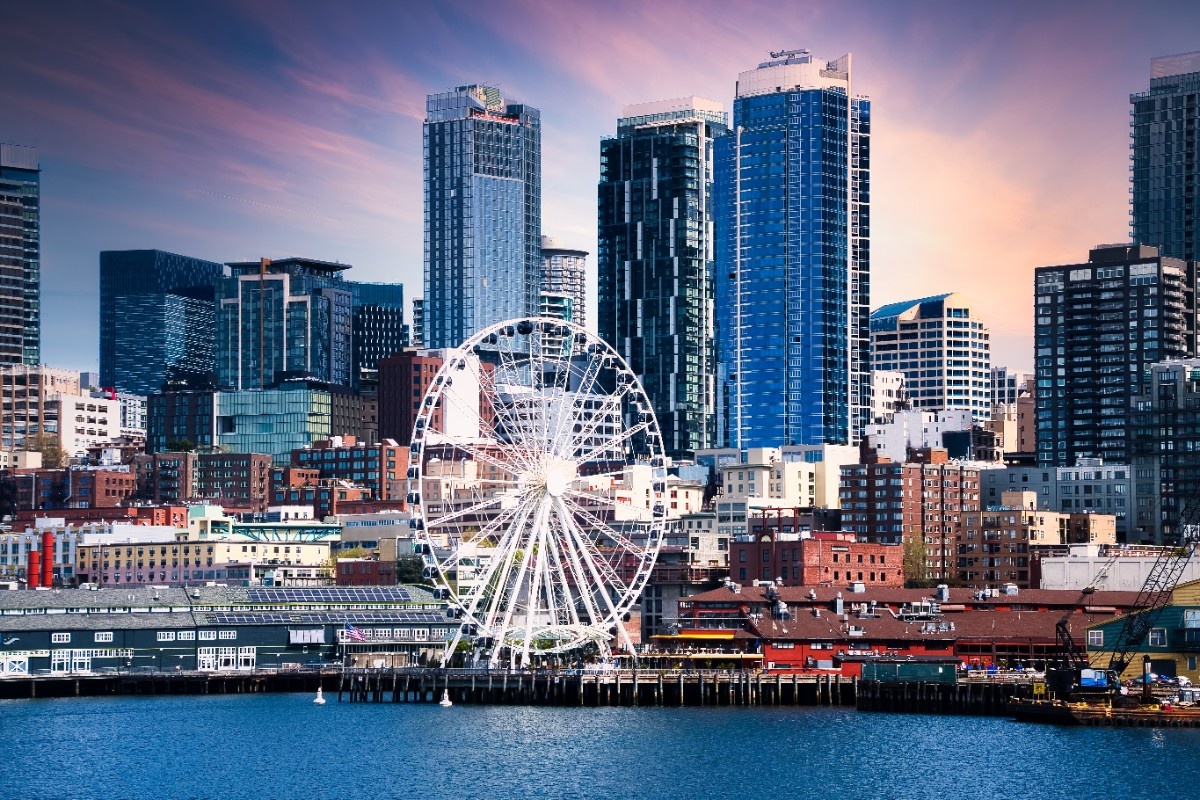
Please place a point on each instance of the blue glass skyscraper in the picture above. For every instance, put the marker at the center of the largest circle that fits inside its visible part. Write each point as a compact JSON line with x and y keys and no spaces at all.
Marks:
{"x":283,"y":319}
{"x":793,"y":255}
{"x":655,"y":260}
{"x":156,"y":319}
{"x":483,"y":212}
{"x":20,"y":256}
{"x":1165,"y":158}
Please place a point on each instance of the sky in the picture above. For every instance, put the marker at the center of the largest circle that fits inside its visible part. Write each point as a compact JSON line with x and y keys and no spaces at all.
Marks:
{"x":234,"y":131}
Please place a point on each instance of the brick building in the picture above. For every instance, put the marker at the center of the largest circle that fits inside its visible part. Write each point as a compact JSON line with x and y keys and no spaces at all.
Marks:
{"x":301,"y":486}
{"x":234,"y":480}
{"x":926,"y":497}
{"x":72,"y":488}
{"x":816,"y":559}
{"x":403,"y":380}
{"x":380,"y":468}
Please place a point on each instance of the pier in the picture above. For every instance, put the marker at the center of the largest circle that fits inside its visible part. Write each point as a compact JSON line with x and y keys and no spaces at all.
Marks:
{"x":963,"y":696}
{"x":176,"y":682}
{"x":595,"y":689}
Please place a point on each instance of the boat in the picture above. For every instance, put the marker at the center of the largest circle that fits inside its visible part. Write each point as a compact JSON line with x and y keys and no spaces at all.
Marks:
{"x":1166,"y":714}
{"x":445,"y":701}
{"x":319,"y":700}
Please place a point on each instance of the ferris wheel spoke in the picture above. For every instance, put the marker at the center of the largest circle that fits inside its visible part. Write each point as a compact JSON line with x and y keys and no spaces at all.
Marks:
{"x":566,"y":577}
{"x":492,"y":588}
{"x":452,"y":516}
{"x":614,"y":443}
{"x":481,"y":454}
{"x":593,"y":557}
{"x":608,"y":412}
{"x":605,"y":577}
{"x":584,"y":580}
{"x":607,"y":530}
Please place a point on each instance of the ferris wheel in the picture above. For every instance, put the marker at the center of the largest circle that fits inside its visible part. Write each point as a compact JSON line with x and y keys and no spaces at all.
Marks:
{"x":537,"y":478}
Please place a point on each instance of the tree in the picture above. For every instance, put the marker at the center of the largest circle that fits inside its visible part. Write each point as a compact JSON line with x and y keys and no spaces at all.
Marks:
{"x":915,"y":556}
{"x":410,"y":569}
{"x":180,"y":445}
{"x":53,"y":456}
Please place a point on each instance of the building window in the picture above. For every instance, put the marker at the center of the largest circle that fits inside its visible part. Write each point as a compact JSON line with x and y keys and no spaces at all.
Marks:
{"x":104,"y":636}
{"x":207,"y":636}
{"x":228,"y":634}
{"x":187,"y":636}
{"x":166,"y":636}
{"x":60,"y":638}
{"x":1158,"y":637}
{"x":1095,"y":638}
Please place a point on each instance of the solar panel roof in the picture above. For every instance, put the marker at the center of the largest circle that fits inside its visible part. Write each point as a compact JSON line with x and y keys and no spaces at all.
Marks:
{"x":341,"y":594}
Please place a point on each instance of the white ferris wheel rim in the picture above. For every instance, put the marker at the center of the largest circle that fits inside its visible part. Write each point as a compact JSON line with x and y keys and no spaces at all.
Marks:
{"x":540,"y":501}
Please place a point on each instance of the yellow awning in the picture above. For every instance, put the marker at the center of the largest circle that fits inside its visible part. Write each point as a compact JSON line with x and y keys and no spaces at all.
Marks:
{"x":722,"y":635}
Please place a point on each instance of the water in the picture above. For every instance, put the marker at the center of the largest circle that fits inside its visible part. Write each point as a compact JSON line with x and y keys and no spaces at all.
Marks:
{"x":283,"y":746}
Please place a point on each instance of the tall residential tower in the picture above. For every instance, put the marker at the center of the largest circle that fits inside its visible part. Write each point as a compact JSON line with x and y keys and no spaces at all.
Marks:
{"x":655,"y":260}
{"x":1099,"y":327}
{"x":20,"y":256}
{"x":793,"y":255}
{"x":1165,"y":168}
{"x":483,"y":212}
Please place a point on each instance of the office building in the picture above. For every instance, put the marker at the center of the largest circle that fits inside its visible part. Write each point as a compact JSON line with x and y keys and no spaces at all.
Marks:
{"x":1164,"y":429}
{"x":29,"y":403}
{"x":157,"y":319}
{"x":416,"y":333}
{"x":1008,"y":385}
{"x":180,"y":419}
{"x":793,"y":255}
{"x":564,"y":274}
{"x":378,"y":327}
{"x":380,"y":467}
{"x":274,"y":421}
{"x":655,"y":260}
{"x":941,"y":347}
{"x":20,"y":256}
{"x":276,"y":320}
{"x":1098,"y":328}
{"x":1165,"y":157}
{"x":483,"y":212}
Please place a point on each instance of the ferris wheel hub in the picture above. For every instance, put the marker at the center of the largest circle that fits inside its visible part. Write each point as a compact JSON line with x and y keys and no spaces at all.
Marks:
{"x":559,"y":474}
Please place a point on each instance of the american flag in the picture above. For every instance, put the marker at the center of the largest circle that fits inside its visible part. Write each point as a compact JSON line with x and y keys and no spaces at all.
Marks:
{"x":354,"y":634}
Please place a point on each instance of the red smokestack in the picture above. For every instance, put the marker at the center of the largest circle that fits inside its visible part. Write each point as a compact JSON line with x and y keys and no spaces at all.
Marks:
{"x":47,"y":558}
{"x":34,"y":573}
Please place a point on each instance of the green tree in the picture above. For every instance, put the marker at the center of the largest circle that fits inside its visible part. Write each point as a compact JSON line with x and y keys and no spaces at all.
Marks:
{"x":410,"y":569}
{"x":180,"y":445}
{"x":915,"y":556}
{"x":53,"y":456}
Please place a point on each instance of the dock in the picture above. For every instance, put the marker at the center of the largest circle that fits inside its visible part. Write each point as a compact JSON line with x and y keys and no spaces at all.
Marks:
{"x":596,"y":689}
{"x":167,"y":683}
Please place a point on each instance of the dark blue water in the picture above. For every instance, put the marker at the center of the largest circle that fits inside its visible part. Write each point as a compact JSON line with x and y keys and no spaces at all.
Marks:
{"x":282,"y":746}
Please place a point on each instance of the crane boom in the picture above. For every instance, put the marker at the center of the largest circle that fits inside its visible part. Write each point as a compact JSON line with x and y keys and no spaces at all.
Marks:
{"x":1153,"y":597}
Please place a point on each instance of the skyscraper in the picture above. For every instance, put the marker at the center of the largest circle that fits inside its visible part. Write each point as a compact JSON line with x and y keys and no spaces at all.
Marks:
{"x":281,"y":319}
{"x":1099,"y":327}
{"x":942,"y":349}
{"x":655,"y":260}
{"x":483,"y":212}
{"x":157,"y":315}
{"x":378,"y":323}
{"x":1166,"y":157}
{"x":564,"y":274}
{"x":20,"y":256}
{"x":793,"y":255}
